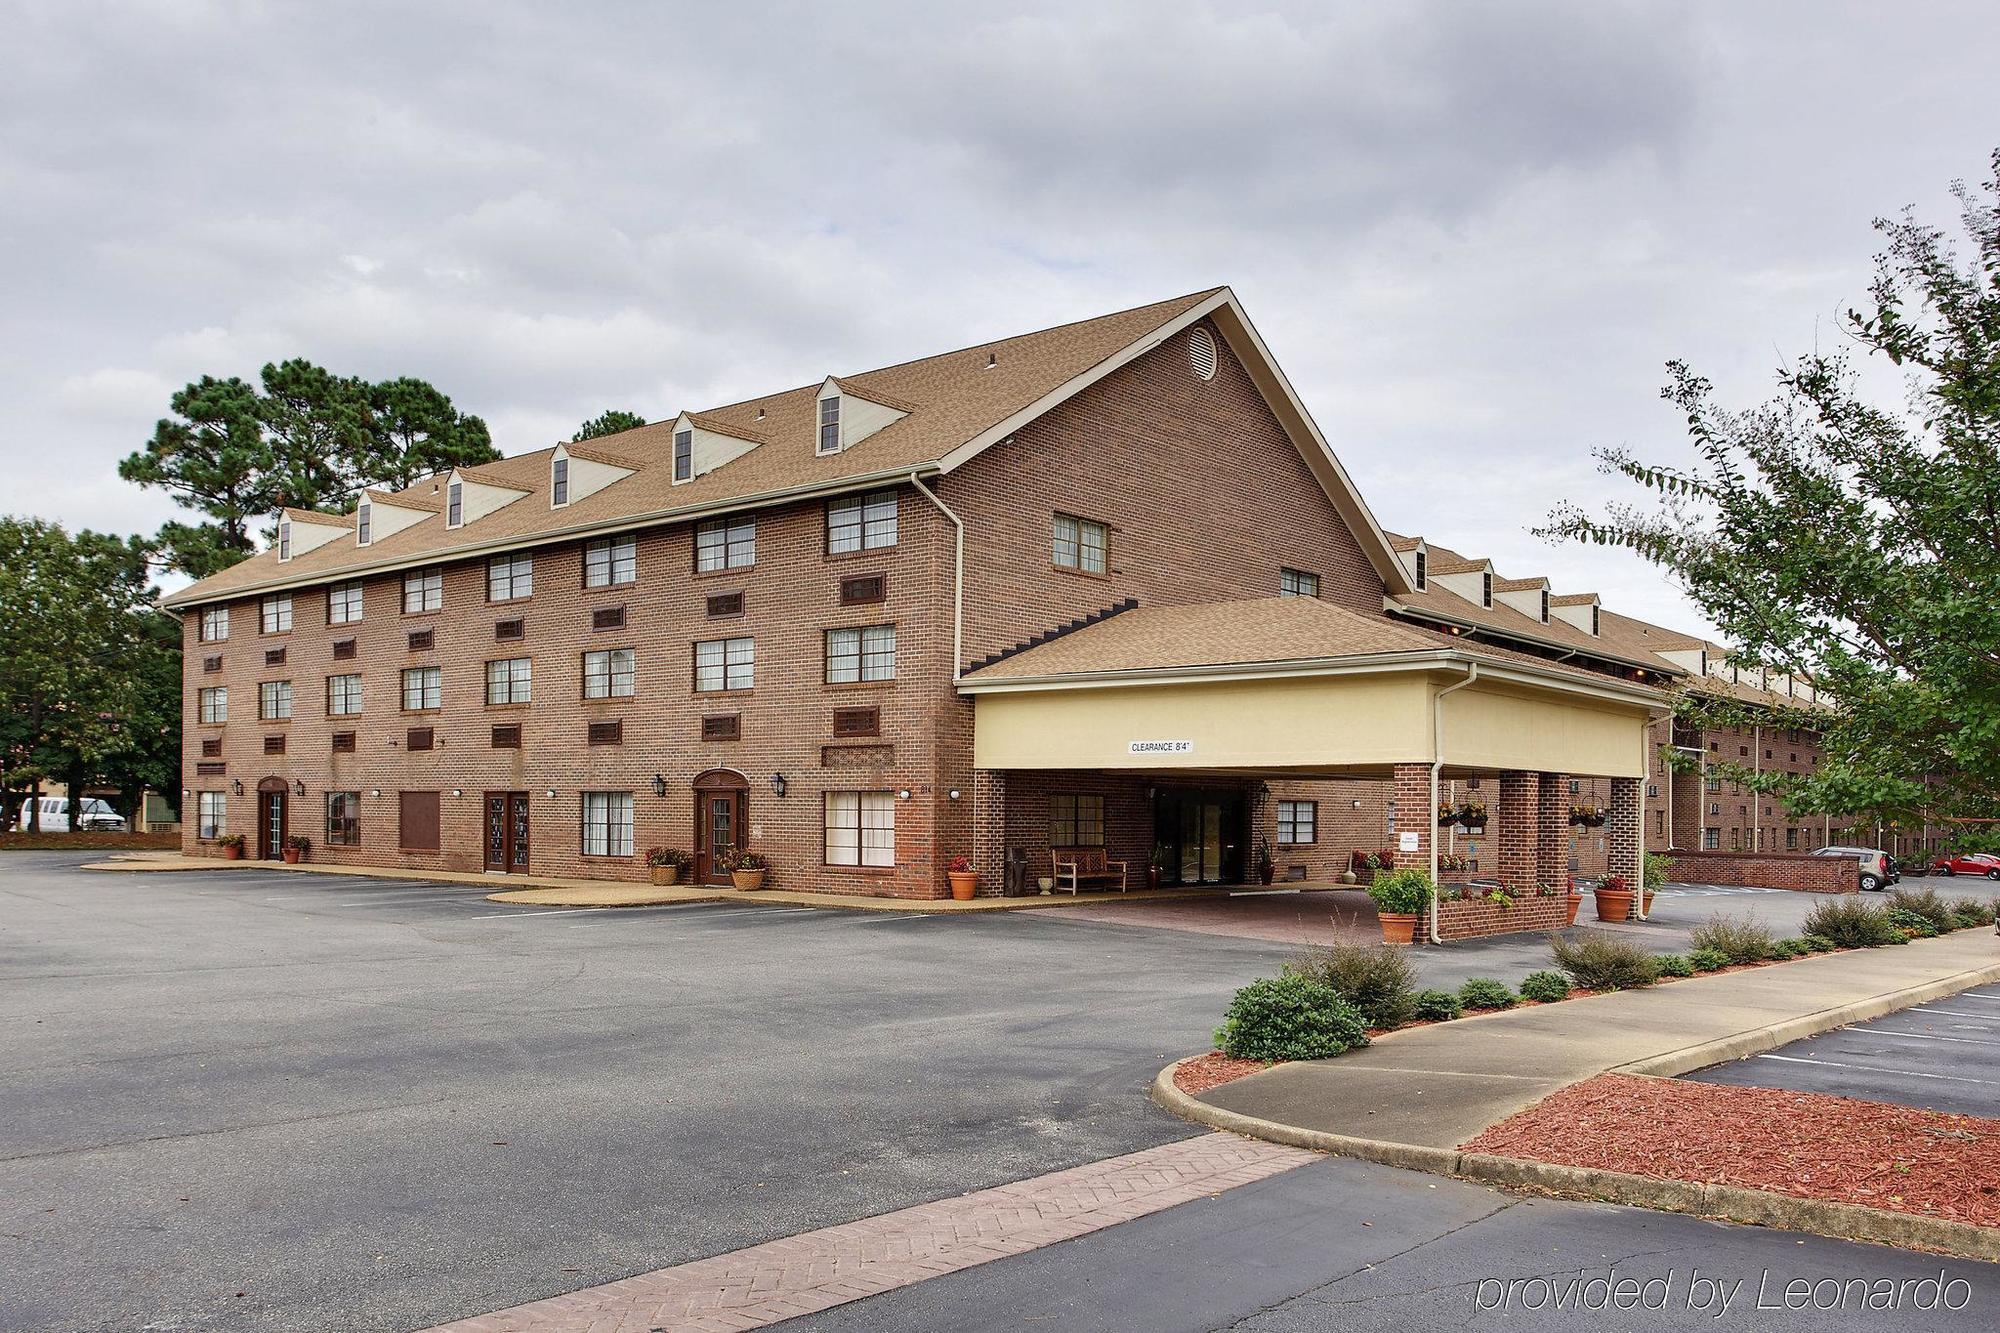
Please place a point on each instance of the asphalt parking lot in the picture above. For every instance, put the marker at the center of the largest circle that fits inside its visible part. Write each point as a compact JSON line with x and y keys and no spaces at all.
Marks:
{"x":1942,"y":1056}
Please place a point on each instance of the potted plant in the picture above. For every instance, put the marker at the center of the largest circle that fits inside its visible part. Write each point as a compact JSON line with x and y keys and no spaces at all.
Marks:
{"x":1472,"y":816}
{"x":1267,"y":869}
{"x":1400,"y":896}
{"x":746,"y":869}
{"x":1575,"y":899}
{"x":668,"y":864}
{"x":964,"y":879}
{"x":1447,"y":814}
{"x":231,"y":845}
{"x":296,"y":847}
{"x":1588,"y":816}
{"x":1614,"y":899}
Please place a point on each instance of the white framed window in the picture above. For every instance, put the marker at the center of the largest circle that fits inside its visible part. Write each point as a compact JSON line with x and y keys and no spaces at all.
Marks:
{"x":276,"y":616}
{"x":343,"y":818}
{"x":215,"y":704}
{"x":343,"y":695}
{"x":510,"y":680}
{"x":1545,"y":606}
{"x":364,"y":522}
{"x":1081,"y":544}
{"x":1076,"y":819}
{"x":423,"y":590}
{"x":861,"y":523}
{"x":274,"y":700}
{"x":454,"y":505}
{"x":1297,"y":583}
{"x":610,"y":561}
{"x":866,"y":652}
{"x":607,"y":823}
{"x":1298,"y":821}
{"x":214,"y":624}
{"x":608,"y":673}
{"x":726,"y":543}
{"x":1422,"y":561}
{"x":558,"y":482}
{"x":423,"y":688}
{"x":212,"y":815}
{"x":829,"y":425}
{"x":510,"y":577}
{"x":285,"y":540}
{"x":860,"y":828}
{"x":343,"y":603}
{"x":725,"y":664}
{"x":683,"y":455}
{"x":1486,"y":589}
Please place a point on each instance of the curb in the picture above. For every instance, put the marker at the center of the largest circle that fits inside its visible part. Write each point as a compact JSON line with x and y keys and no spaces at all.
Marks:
{"x":1728,"y":1203}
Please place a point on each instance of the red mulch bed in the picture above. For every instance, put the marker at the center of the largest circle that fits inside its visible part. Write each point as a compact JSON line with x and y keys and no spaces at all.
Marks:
{"x":1198,"y":1074}
{"x":53,"y":841}
{"x":1806,"y":1144}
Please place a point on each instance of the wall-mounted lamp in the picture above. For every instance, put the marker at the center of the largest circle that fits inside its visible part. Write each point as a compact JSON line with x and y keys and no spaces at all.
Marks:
{"x":550,"y":793}
{"x":952,"y":794}
{"x":1357,"y":805}
{"x":458,"y":791}
{"x":659,"y":785}
{"x":186,"y":792}
{"x":903,"y":794}
{"x":778,"y":783}
{"x":377,"y":793}
{"x":299,"y":788}
{"x":236,"y":787}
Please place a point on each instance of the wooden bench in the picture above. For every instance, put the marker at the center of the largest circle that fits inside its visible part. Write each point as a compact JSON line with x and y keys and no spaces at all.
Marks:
{"x":1075,"y":866}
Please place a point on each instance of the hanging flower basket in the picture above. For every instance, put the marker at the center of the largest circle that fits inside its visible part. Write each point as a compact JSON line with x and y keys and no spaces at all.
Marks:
{"x":1588,"y":816}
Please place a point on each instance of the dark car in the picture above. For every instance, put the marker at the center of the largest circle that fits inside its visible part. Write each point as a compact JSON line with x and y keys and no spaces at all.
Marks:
{"x":1968,"y":863}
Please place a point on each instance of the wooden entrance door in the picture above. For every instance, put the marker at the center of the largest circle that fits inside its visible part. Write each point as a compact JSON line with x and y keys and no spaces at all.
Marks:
{"x":720,"y":799}
{"x":271,"y":822}
{"x":507,"y":831}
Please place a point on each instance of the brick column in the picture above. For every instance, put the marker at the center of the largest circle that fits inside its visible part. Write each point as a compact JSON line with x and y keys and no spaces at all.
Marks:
{"x":1552,"y":831}
{"x":1520,"y":837}
{"x":989,"y":829}
{"x":1414,"y":813}
{"x":1622,"y":828}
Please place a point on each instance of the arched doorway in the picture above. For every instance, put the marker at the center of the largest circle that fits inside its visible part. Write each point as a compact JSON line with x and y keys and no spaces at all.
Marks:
{"x":273,"y":817}
{"x":721,"y":815}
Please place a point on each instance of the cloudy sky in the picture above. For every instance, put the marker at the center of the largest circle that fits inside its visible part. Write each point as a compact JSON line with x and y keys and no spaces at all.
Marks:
{"x":1471,"y":232}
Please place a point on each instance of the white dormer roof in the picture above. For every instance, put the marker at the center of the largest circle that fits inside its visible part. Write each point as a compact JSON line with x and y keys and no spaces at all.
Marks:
{"x":477,"y":498}
{"x":588,"y":474}
{"x":855,"y":417}
{"x":709,"y":445}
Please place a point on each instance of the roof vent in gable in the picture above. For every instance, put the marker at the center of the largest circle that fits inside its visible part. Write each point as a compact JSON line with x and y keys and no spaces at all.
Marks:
{"x":1201,"y":354}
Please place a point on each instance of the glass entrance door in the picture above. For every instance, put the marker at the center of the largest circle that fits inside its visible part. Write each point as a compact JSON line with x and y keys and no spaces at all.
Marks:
{"x":271,"y":827}
{"x":507,"y":831}
{"x":1202,"y":835}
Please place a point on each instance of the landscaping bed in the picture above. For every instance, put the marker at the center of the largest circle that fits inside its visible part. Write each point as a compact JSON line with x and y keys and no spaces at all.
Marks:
{"x":1806,"y":1144}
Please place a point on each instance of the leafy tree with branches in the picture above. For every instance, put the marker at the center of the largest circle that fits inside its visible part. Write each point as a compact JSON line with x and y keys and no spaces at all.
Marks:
{"x":609,"y":424}
{"x":1854,"y":544}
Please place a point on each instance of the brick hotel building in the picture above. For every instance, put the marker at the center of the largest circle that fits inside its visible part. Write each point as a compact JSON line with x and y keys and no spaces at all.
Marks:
{"x":1100,"y":585}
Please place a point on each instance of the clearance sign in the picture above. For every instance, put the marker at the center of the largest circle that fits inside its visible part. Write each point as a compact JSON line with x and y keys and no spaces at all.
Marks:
{"x":1159,"y":747}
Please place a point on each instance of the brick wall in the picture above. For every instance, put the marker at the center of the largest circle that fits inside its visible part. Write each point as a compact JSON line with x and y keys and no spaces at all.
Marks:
{"x":1770,"y":870}
{"x":1466,"y":919}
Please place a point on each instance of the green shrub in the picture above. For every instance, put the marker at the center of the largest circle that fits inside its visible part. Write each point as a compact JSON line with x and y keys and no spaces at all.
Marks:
{"x":1289,"y":1018}
{"x":1819,"y":943}
{"x":1743,"y":939}
{"x":1438,"y":1004}
{"x":1654,"y":869}
{"x":1377,"y":980}
{"x":1708,"y":960}
{"x":1783,"y":951}
{"x":1404,"y":889}
{"x":1545,"y":986}
{"x":1598,"y":960}
{"x":1851,"y":923}
{"x":1674,"y":965}
{"x":1972,"y":912}
{"x":1800,"y":947}
{"x":1926,"y":904}
{"x":1911,"y":923}
{"x":1485,"y":993}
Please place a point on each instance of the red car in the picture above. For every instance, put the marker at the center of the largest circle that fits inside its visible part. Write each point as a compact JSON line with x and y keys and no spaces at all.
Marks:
{"x":1968,"y":863}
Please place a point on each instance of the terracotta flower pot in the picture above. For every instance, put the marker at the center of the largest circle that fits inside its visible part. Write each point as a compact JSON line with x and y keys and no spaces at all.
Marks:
{"x":666,"y":875}
{"x":291,"y":856}
{"x":1575,"y":903}
{"x":747,"y":880}
{"x":1614,"y":904}
{"x":1398,"y":927}
{"x":232,"y":853}
{"x":963,"y":884}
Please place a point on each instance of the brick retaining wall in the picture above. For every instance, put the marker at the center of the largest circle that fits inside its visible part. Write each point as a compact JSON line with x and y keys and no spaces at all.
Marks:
{"x":1769,"y":870}
{"x":1469,"y":919}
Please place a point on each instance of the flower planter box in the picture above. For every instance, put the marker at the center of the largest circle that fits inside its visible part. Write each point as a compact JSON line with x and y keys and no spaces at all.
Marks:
{"x":1471,"y":918}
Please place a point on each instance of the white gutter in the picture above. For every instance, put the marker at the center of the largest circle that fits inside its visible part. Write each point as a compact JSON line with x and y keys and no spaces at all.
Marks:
{"x":1651,"y":718}
{"x":957,"y":577}
{"x":1437,"y":764}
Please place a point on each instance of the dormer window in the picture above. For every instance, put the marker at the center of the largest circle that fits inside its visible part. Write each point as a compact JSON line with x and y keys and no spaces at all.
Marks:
{"x":1545,"y":606}
{"x":454,"y":505}
{"x":1422,"y":561}
{"x":829,"y":425}
{"x":1486,"y":590}
{"x":559,"y":482}
{"x":364,"y":517}
{"x":1704,"y":663}
{"x":285,"y":539}
{"x":683,"y":455}
{"x":1597,"y":627}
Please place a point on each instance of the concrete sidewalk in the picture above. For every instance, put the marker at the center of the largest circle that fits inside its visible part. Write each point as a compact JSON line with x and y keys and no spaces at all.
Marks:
{"x":1435,"y":1087}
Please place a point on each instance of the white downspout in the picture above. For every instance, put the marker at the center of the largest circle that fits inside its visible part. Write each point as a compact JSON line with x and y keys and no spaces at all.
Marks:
{"x":1644,"y":745}
{"x":1437,"y":765}
{"x":957,"y":577}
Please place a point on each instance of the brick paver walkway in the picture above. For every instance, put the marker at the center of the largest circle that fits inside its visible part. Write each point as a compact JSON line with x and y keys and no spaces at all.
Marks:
{"x":799,"y":1275}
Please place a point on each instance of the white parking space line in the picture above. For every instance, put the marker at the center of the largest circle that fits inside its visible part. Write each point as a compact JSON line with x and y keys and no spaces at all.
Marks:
{"x":1871,"y":1069}
{"x":1955,"y":1013}
{"x":1925,"y":1036}
{"x":541,"y":911}
{"x":871,"y":918}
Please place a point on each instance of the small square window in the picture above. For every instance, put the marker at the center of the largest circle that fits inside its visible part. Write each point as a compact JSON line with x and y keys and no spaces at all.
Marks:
{"x":212,"y":663}
{"x":510,"y":680}
{"x":419,"y":738}
{"x":864,"y":588}
{"x":343,"y":742}
{"x":211,"y":747}
{"x":1081,"y":544}
{"x":608,"y":617}
{"x":722,"y":727}
{"x":275,"y":616}
{"x":610,"y":561}
{"x":726,"y":604}
{"x":274,"y":745}
{"x":725,"y":544}
{"x":861,"y":523}
{"x":857,"y":722}
{"x":507,"y":737}
{"x":864,"y":653}
{"x":274,"y":657}
{"x":423,"y":590}
{"x":725,"y":664}
{"x":1297,"y":583}
{"x":606,"y":733}
{"x":343,"y":603}
{"x":343,"y":649}
{"x":422,"y":640}
{"x":510,"y":577}
{"x":509,"y":629}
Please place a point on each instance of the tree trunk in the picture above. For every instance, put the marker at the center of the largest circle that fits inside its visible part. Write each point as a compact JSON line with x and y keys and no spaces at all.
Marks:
{"x":74,"y":780}
{"x":34,"y":824}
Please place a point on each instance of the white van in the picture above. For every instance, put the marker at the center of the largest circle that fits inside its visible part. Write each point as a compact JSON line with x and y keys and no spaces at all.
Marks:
{"x":97,"y":816}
